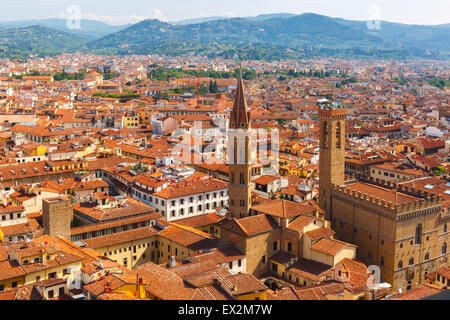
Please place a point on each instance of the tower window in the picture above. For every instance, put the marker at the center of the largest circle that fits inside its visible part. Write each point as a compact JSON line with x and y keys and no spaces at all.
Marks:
{"x":275,"y":245}
{"x":325,"y":135}
{"x":419,"y":234}
{"x":338,"y":135}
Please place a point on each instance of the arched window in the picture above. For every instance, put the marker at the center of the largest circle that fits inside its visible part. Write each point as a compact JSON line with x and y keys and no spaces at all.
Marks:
{"x":382,"y":261}
{"x":400,"y":264}
{"x":427,"y":256}
{"x":289,"y":246}
{"x":241,"y":178}
{"x":411,"y":261}
{"x":325,"y":134}
{"x":338,"y":134}
{"x":444,"y":248}
{"x":445,"y":227}
{"x":419,"y":233}
{"x":235,"y":153}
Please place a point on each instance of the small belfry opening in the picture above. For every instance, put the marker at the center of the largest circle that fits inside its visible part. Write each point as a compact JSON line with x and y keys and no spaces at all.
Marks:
{"x":325,"y":134}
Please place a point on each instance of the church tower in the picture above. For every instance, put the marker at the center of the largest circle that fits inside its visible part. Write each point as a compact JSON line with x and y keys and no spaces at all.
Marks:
{"x":239,"y":169}
{"x":332,"y":151}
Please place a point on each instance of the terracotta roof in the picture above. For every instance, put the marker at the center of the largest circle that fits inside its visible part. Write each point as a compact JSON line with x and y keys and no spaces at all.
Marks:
{"x":120,"y":237}
{"x":283,"y":208}
{"x":329,"y":246}
{"x":300,"y":223}
{"x":320,"y":233}
{"x":19,"y":229}
{"x":163,"y":283}
{"x":266,"y":179}
{"x":201,"y":220}
{"x":257,"y":224}
{"x":189,"y":237}
{"x":129,"y":208}
{"x":390,"y":195}
{"x":309,"y":269}
{"x":186,"y":188}
{"x":114,"y":223}
{"x":423,"y":291}
{"x":243,"y":283}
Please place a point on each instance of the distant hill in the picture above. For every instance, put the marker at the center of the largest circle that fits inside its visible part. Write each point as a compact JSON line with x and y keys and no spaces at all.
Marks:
{"x":21,"y":42}
{"x":268,"y":37}
{"x":268,"y":16}
{"x":420,"y":36}
{"x":293,"y":32}
{"x":198,"y":20}
{"x":277,"y":37}
{"x":88,"y":28}
{"x":260,"y":17}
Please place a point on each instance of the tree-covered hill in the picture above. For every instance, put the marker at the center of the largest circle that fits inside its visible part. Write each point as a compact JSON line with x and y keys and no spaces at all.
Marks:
{"x":22,"y":42}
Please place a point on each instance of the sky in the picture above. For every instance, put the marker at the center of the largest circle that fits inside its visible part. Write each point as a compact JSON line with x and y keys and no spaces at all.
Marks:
{"x":117,"y":12}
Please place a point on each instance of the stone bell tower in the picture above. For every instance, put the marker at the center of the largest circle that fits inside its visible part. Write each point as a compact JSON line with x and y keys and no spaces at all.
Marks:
{"x":332,"y":151}
{"x":239,"y":174}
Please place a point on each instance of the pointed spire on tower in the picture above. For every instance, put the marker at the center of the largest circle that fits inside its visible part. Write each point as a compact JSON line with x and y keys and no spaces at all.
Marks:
{"x":240,"y":117}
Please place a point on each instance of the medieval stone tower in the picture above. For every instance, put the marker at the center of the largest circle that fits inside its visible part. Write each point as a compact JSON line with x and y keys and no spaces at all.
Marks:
{"x":332,"y":151}
{"x":56,"y":216}
{"x":238,"y":150}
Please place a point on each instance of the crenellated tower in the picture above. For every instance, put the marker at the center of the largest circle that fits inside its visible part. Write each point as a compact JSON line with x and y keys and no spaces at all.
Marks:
{"x":332,"y":151}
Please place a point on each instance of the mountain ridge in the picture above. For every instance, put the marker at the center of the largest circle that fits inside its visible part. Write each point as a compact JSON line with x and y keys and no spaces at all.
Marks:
{"x":307,"y":30}
{"x":270,"y":36}
{"x":92,"y":29}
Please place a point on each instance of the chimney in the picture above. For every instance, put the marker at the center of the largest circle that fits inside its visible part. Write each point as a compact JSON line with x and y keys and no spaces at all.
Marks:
{"x":172,"y":262}
{"x":43,"y":257}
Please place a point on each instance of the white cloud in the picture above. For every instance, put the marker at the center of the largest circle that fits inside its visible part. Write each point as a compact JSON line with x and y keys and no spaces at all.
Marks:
{"x":159,"y":15}
{"x":230,"y":14}
{"x":113,"y":20}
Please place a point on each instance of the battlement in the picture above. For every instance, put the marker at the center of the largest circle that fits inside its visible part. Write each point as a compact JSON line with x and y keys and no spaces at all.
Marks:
{"x":333,"y":109}
{"x":424,"y":198}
